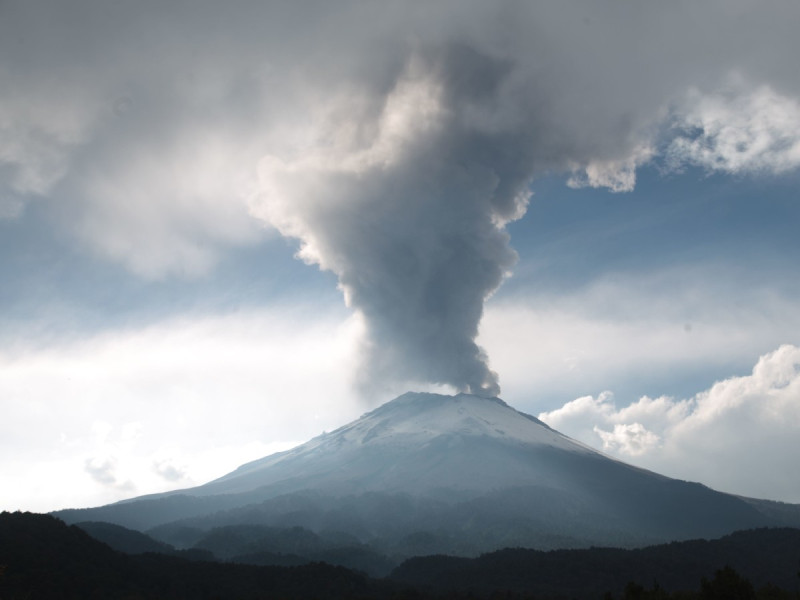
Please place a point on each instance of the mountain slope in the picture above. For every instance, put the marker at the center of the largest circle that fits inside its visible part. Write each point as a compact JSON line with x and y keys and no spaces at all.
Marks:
{"x":418,"y":443}
{"x":460,"y":474}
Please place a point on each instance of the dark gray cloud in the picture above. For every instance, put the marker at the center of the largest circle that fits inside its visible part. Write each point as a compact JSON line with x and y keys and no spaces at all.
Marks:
{"x":103,"y":471}
{"x":168,"y":471}
{"x":394,"y":140}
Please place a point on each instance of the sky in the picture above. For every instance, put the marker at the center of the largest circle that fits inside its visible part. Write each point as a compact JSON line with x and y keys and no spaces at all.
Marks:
{"x":225,"y":230}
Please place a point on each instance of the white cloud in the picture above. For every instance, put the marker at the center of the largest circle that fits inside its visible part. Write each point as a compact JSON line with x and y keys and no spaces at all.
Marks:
{"x":171,"y":206}
{"x":741,"y":127}
{"x":629,"y":438}
{"x":667,"y":326}
{"x":618,"y":175}
{"x":175,"y":404}
{"x":742,"y":435}
{"x":629,"y":431}
{"x":737,"y":130}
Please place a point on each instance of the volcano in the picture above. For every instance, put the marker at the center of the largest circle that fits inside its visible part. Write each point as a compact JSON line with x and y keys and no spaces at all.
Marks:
{"x":458,"y":474}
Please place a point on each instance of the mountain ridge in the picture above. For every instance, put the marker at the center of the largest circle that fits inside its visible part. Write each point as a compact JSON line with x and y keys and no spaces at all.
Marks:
{"x":414,"y":419}
{"x":471,"y":473}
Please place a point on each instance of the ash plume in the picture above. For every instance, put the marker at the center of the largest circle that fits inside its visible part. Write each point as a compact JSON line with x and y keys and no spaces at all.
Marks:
{"x":394,"y":140}
{"x":411,"y":215}
{"x":418,"y":163}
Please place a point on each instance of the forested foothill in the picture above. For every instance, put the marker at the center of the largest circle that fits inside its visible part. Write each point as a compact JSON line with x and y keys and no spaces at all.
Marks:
{"x":42,"y":557}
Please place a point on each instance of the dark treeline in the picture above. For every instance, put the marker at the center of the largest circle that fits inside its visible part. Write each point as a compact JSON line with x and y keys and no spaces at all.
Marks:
{"x":41,"y":557}
{"x":768,"y":558}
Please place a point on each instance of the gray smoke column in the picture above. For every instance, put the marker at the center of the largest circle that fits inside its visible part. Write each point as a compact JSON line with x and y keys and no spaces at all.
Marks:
{"x":408,"y":205}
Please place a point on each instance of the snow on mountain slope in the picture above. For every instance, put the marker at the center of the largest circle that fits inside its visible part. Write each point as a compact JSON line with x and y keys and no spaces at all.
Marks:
{"x":417,"y":416}
{"x":416,"y":443}
{"x":467,"y":468}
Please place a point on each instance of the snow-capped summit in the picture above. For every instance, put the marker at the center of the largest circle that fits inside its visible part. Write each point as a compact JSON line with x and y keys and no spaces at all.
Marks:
{"x":417,"y":442}
{"x":420,"y":416}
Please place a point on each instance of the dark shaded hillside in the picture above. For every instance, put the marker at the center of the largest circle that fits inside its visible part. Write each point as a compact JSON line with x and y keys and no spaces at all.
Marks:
{"x":252,"y":545}
{"x":764,"y":556}
{"x":41,"y":557}
{"x":145,"y":513}
{"x":788,"y":515}
{"x":403,"y":525}
{"x":131,"y":541}
{"x":259,"y":545}
{"x":124,"y":540}
{"x":652,"y":510}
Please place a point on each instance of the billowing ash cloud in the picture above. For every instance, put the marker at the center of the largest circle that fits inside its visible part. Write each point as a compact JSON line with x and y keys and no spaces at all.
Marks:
{"x":408,"y":208}
{"x":394,"y":140}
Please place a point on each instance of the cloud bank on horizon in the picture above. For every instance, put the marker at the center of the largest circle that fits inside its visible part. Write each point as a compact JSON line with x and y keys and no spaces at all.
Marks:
{"x":713,"y":437}
{"x":396,"y":153}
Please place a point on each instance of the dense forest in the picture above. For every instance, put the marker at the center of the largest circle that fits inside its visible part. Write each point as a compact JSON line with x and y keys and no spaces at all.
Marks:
{"x":41,"y":557}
